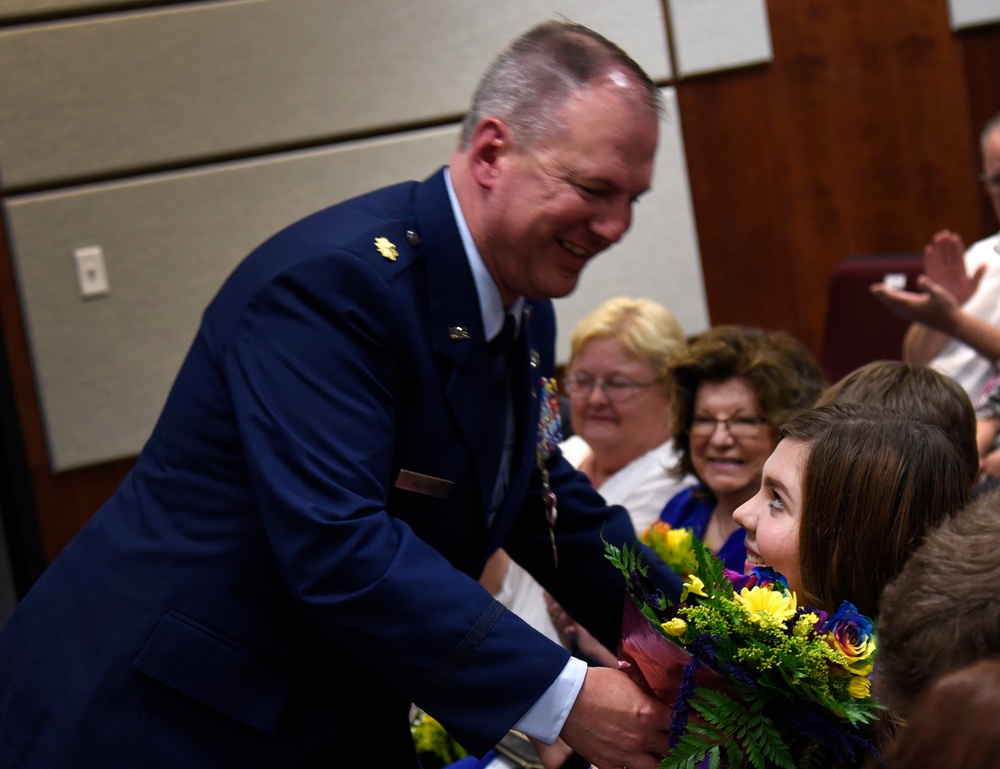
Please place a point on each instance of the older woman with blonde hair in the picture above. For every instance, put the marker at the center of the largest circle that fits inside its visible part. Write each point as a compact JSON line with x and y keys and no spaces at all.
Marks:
{"x":619,"y":392}
{"x":618,"y":384}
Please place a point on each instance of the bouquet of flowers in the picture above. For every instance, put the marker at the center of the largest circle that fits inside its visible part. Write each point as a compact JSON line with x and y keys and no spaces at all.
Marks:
{"x":754,"y":679}
{"x":435,"y":746}
{"x":674,"y":546}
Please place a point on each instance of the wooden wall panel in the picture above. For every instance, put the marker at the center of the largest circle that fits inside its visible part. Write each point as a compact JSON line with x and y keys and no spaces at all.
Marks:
{"x":737,"y":197}
{"x":854,"y":139}
{"x":981,"y":56}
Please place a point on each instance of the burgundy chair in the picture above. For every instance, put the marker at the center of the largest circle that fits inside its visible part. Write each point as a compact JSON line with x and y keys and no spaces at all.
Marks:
{"x":859,"y":328}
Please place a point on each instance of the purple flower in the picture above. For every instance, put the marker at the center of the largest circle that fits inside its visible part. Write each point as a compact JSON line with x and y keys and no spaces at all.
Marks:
{"x":821,"y":618}
{"x":643,"y":590}
{"x":682,"y":705}
{"x":763,"y":576}
{"x":851,"y":633}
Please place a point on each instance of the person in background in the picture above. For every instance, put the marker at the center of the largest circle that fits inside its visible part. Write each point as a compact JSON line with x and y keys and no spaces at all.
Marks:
{"x":987,"y":408}
{"x":365,"y":416}
{"x":956,"y":723}
{"x":917,"y":391}
{"x":733,"y":389}
{"x":620,"y":405}
{"x":754,"y":379}
{"x":941,"y":612}
{"x":619,"y":397}
{"x":619,"y":389}
{"x":849,"y":493}
{"x":972,"y":279}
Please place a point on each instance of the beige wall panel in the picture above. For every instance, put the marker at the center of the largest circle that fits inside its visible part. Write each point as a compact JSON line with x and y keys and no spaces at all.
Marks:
{"x":113,"y":94}
{"x":714,"y":35}
{"x":659,"y":257}
{"x":103,"y":365}
{"x":17,"y":9}
{"x":973,"y":13}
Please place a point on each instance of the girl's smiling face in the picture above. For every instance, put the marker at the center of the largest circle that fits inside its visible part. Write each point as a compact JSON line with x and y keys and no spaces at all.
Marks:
{"x":772,"y":517}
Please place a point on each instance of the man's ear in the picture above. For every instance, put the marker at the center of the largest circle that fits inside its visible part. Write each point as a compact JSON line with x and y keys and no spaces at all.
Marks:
{"x":490,"y":141}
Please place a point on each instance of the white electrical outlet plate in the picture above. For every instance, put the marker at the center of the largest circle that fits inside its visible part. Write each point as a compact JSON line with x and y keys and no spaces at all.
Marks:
{"x":91,"y":273}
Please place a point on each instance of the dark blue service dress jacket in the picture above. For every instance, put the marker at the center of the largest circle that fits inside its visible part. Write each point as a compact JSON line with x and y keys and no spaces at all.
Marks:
{"x":293,"y":559}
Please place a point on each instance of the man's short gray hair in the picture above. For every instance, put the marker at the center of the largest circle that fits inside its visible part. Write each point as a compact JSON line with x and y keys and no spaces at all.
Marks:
{"x":528,"y":83}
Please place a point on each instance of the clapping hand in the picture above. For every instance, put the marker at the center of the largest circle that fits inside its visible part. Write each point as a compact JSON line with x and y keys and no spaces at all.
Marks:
{"x":945,"y":284}
{"x":944,"y":263}
{"x":935,"y":306}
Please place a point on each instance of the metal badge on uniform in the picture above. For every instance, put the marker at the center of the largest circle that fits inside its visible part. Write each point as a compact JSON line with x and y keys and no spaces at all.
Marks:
{"x":387,"y":248}
{"x":424,"y":484}
{"x":459,"y":334}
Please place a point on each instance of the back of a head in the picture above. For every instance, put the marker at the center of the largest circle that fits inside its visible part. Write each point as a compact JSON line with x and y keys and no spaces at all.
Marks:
{"x":955,"y":724}
{"x":528,"y":82}
{"x":942,"y":611}
{"x":874,"y":484}
{"x":648,"y":330}
{"x":917,"y":391}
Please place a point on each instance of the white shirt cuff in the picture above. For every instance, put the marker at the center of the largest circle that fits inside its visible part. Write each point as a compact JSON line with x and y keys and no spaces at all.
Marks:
{"x":547,"y":716}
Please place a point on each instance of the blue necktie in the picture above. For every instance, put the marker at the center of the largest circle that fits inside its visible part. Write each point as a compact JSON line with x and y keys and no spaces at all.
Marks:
{"x":500,"y":349}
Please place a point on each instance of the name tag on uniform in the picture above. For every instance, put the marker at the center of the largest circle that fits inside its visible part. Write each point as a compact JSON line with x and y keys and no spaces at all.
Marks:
{"x":424,"y":484}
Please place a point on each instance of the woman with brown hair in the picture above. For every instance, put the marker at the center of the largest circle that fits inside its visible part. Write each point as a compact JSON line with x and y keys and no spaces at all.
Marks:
{"x":733,"y":389}
{"x":848,"y":494}
{"x":846,"y":497}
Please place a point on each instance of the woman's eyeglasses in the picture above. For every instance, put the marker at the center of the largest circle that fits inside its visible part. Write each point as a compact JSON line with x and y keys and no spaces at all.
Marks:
{"x":738,"y":427}
{"x":616,"y":389}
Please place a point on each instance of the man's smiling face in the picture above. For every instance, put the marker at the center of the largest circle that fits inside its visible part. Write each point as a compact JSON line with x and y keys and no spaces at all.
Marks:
{"x":554,"y":206}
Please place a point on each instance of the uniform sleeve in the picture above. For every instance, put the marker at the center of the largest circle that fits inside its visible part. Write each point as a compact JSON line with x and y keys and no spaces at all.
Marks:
{"x":590,"y":589}
{"x":314,"y":369}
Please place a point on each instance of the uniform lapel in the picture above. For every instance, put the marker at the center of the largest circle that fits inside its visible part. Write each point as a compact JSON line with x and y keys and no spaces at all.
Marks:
{"x":457,"y":335}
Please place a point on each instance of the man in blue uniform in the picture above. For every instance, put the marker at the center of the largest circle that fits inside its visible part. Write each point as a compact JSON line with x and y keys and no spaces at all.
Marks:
{"x":293,"y":559}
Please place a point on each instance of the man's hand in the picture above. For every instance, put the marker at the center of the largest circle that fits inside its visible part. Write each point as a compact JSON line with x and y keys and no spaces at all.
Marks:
{"x":615,"y":724}
{"x":944,"y":263}
{"x":989,"y":466}
{"x":936,"y":307}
